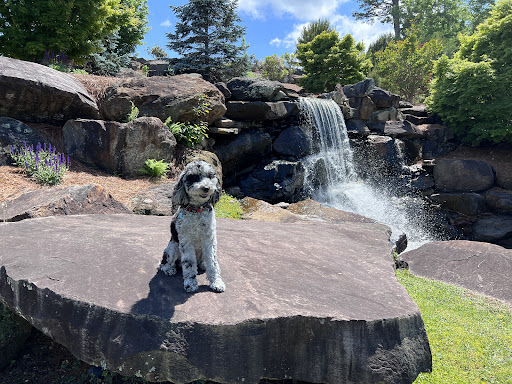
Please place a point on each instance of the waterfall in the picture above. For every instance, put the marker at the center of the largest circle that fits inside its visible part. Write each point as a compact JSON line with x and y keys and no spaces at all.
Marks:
{"x":331,"y":176}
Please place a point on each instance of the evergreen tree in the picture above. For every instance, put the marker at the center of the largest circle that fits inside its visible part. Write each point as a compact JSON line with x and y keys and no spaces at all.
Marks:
{"x":310,"y":31}
{"x":386,"y":11}
{"x":206,"y":37}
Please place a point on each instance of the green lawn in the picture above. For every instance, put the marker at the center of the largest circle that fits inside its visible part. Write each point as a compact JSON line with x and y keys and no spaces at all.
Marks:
{"x":470,"y":335}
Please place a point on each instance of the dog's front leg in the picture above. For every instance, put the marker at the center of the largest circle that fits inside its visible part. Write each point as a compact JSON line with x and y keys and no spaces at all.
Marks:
{"x":189,"y":266}
{"x":209,"y":249}
{"x":171,"y":254}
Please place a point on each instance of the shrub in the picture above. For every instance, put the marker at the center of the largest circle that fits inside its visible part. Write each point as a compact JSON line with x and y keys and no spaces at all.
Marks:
{"x":43,"y":163}
{"x":155,"y":168}
{"x":228,"y":207}
{"x":134,"y":113}
{"x":273,"y":68}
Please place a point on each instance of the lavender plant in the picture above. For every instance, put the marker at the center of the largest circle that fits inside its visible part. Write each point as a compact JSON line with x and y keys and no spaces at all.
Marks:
{"x":44,"y":164}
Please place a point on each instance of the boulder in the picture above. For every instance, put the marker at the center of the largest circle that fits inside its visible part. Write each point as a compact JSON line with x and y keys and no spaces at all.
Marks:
{"x":260,"y":110}
{"x":469,"y":203}
{"x":357,"y":126}
{"x":309,"y":302}
{"x":401,"y":129}
{"x":435,"y":132}
{"x":454,"y":175}
{"x":383,"y":99}
{"x":15,"y":133}
{"x":14,"y":331}
{"x":482,"y":267}
{"x":162,"y":97}
{"x":313,"y":210}
{"x":119,"y":147}
{"x":364,"y":106}
{"x":243,"y":151}
{"x":278,"y":181}
{"x":255,"y":89}
{"x":156,"y":200}
{"x":221,"y":86}
{"x":361,"y":89}
{"x":418,"y":110}
{"x":499,"y":200}
{"x":292,"y":142}
{"x":32,"y":92}
{"x":74,"y":200}
{"x":260,"y":210}
{"x":493,"y":229}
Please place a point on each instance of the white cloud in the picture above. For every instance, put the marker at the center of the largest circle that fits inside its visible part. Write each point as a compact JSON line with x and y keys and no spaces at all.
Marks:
{"x":360,"y":31}
{"x":290,"y":40}
{"x":167,"y":23}
{"x":300,"y":9}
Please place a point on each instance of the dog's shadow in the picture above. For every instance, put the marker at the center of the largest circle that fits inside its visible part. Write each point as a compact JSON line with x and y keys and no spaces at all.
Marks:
{"x":165,"y":293}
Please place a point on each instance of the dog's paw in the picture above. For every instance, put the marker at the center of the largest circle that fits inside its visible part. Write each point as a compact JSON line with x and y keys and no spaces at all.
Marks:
{"x":169,"y":270}
{"x":218,"y":285}
{"x":190,"y":285}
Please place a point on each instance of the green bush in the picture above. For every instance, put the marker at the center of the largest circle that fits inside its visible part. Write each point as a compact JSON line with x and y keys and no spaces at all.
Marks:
{"x":43,"y":164}
{"x":472,"y":92}
{"x":155,"y":168}
{"x":134,"y":113}
{"x":273,"y":68}
{"x":228,"y":207}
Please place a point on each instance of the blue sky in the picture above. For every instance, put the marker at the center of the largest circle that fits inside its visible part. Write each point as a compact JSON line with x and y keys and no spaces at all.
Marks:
{"x":272,"y":25}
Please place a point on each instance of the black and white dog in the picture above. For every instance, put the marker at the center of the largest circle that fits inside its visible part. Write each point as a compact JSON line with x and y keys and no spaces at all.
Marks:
{"x":193,"y":227}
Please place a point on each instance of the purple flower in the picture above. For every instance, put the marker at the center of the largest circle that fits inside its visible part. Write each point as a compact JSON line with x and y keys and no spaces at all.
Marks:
{"x":50,"y":147}
{"x":37,"y":157}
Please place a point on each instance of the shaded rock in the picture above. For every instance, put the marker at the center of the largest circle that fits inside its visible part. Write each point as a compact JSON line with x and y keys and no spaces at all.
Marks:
{"x":357,"y":126}
{"x":14,"y":331}
{"x":162,"y":97}
{"x":224,"y":89}
{"x":156,"y":200}
{"x":347,"y":319}
{"x":419,"y":120}
{"x":363,"y":105}
{"x":292,"y":142}
{"x":255,"y":89}
{"x":463,"y":175}
{"x":481,"y":267}
{"x":74,"y":200}
{"x":36,"y":93}
{"x":260,"y":210}
{"x":384,"y":99}
{"x":493,"y":229}
{"x":15,"y":133}
{"x":431,"y":150}
{"x":422,"y":182}
{"x":260,"y":110}
{"x":418,"y":110}
{"x":275,"y":182}
{"x":243,"y":151}
{"x":435,"y":132}
{"x":381,"y":147}
{"x":499,"y":200}
{"x":119,"y":147}
{"x":399,"y":129}
{"x":361,"y":89}
{"x":292,"y":90}
{"x":471,"y":204}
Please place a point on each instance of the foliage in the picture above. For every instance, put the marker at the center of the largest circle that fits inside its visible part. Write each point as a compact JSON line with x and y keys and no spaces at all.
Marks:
{"x":43,"y":164}
{"x":156,"y":51}
{"x":228,"y":207}
{"x":312,"y":30}
{"x":291,"y":63}
{"x":109,"y":61}
{"x":29,"y":28}
{"x":405,"y":66}
{"x":145,"y":71}
{"x":472,"y":92}
{"x":386,"y":11}
{"x":273,"y":68}
{"x":329,"y":60}
{"x":206,"y":36}
{"x":155,"y":168}
{"x":132,"y":31}
{"x":469,"y":334}
{"x":134,"y":113}
{"x":379,"y":45}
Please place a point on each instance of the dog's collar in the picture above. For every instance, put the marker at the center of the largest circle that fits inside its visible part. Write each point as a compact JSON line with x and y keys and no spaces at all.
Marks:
{"x":197,"y":209}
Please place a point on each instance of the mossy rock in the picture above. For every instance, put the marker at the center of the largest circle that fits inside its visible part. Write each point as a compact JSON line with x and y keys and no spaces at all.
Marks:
{"x":14,"y":331}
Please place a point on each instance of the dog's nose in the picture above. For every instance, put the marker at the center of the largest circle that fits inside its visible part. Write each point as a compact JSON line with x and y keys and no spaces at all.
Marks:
{"x":205,"y":189}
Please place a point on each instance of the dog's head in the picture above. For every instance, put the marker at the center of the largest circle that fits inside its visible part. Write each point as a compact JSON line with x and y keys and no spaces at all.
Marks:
{"x":197,"y":185}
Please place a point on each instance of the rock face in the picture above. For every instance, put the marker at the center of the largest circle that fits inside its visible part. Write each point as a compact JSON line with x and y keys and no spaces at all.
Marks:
{"x":162,"y":97}
{"x":36,"y":93}
{"x":155,"y":201}
{"x":118,"y":147}
{"x":75,"y":200}
{"x":14,"y":331}
{"x":482,"y":267}
{"x":261,"y":110}
{"x":15,"y":133}
{"x":463,"y":175}
{"x":308,"y":301}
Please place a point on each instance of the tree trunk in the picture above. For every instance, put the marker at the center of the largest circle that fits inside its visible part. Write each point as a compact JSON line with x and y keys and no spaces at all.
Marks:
{"x":395,"y":12}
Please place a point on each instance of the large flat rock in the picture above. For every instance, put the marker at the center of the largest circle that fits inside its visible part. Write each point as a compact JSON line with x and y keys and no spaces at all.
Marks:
{"x":482,"y":267}
{"x":310,"y":301}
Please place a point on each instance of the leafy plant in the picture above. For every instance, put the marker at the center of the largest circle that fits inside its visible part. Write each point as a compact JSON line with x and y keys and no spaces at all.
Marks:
{"x":273,"y":68}
{"x":145,"y":71}
{"x":134,"y":113}
{"x":43,"y":163}
{"x":228,"y":207}
{"x":155,"y":168}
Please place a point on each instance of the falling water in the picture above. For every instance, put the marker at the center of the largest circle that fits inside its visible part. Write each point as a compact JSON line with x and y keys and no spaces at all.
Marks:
{"x":333,"y":181}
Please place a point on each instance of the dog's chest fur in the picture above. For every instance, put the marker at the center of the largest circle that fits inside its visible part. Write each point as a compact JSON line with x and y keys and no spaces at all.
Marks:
{"x":195,"y":226}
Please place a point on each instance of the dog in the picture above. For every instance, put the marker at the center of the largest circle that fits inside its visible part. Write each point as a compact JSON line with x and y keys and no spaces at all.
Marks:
{"x":193,"y":241}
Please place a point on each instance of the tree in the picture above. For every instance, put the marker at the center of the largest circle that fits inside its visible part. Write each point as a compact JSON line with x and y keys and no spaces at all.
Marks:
{"x":273,"y":68}
{"x":405,"y":66}
{"x":328,"y":60}
{"x":157,"y":52}
{"x":206,"y":36}
{"x":310,"y":31}
{"x":132,"y":32}
{"x":386,"y":11}
{"x":30,"y":28}
{"x":473,"y":91}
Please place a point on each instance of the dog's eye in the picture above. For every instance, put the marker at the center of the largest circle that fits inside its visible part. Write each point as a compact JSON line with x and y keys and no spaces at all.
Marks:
{"x":191,"y":179}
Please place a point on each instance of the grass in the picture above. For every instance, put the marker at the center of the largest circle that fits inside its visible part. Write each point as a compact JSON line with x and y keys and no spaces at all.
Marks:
{"x":470,"y":335}
{"x":228,"y":207}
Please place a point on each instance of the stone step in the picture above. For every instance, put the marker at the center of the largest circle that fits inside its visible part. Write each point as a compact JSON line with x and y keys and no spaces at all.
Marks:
{"x":224,"y":131}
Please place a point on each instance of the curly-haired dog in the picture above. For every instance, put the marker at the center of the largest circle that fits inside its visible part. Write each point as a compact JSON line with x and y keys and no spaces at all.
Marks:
{"x":193,"y":227}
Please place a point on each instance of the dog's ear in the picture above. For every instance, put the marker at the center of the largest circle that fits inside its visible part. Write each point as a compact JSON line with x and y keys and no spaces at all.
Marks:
{"x":215,"y":197}
{"x":179,"y":195}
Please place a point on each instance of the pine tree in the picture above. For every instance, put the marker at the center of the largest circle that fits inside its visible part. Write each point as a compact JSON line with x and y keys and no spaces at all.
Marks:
{"x":207,"y":37}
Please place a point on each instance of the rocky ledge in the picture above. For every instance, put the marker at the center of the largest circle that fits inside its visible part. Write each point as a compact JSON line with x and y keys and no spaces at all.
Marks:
{"x":309,"y":301}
